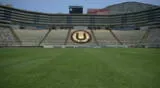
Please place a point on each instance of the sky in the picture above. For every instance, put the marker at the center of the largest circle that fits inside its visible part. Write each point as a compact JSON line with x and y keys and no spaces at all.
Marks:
{"x":61,"y":6}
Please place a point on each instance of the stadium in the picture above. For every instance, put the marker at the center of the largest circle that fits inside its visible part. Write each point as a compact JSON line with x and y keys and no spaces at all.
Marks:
{"x":127,"y":56}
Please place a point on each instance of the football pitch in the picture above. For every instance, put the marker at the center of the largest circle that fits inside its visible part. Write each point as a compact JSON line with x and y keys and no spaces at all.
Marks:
{"x":79,"y":68}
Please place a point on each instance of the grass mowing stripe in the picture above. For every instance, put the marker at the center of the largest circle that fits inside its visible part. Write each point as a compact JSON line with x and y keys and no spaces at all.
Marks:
{"x":21,"y":57}
{"x":85,"y":71}
{"x":21,"y":71}
{"x":139,"y":69}
{"x":80,"y":68}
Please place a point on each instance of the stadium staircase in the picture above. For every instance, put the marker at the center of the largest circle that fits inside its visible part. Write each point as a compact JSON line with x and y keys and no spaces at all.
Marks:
{"x":153,"y":39}
{"x":8,"y":37}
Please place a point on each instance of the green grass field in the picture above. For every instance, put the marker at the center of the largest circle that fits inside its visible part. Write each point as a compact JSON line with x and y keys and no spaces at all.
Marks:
{"x":79,"y":68}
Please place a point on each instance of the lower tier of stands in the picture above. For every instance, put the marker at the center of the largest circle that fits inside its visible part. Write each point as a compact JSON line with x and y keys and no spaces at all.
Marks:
{"x":27,"y":37}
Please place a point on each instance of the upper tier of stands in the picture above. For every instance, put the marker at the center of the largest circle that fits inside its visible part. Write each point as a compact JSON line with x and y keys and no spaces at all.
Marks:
{"x":14,"y":16}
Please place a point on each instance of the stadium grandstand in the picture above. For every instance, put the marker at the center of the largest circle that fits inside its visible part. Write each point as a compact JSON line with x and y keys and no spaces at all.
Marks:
{"x":117,"y":46}
{"x":131,"y":28}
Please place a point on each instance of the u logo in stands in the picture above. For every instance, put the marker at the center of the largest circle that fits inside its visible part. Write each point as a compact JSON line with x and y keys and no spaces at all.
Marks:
{"x":81,"y":36}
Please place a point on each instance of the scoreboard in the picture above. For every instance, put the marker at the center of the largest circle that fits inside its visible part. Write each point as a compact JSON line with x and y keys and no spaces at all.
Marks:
{"x":75,"y":9}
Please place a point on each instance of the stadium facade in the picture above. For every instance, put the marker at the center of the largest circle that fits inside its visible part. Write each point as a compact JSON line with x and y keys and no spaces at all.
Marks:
{"x":35,"y":29}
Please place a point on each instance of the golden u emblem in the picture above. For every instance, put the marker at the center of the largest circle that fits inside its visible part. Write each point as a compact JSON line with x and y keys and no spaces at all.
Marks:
{"x":81,"y":36}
